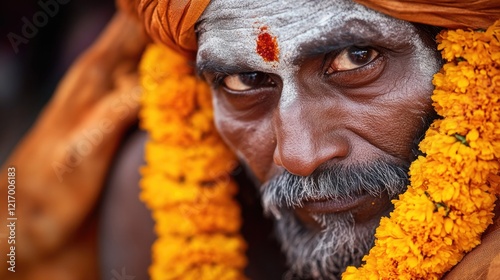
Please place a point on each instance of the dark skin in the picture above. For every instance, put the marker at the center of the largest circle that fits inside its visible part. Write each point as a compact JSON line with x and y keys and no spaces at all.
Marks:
{"x":360,"y":95}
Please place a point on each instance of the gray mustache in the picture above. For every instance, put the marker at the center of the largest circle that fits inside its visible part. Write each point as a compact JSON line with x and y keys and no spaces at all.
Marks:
{"x":290,"y":191}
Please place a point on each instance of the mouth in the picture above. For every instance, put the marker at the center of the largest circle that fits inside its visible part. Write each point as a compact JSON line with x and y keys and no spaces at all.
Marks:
{"x":362,"y":206}
{"x":337,"y":205}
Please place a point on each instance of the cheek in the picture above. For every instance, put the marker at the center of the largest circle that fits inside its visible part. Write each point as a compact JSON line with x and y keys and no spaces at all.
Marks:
{"x":397,"y":129}
{"x":252,"y":140}
{"x":401,"y":114}
{"x":402,"y":119}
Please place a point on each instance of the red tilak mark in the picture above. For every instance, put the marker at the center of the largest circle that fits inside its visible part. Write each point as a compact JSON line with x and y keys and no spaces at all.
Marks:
{"x":267,"y":45}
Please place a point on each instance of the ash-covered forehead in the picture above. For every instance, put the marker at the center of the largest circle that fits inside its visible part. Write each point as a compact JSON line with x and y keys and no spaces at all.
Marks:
{"x":228,"y":29}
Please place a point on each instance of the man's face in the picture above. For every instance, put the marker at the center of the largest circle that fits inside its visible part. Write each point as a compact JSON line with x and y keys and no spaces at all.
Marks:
{"x":323,"y":101}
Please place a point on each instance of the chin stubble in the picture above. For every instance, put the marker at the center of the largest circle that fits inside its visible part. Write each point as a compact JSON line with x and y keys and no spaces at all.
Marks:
{"x":326,"y":253}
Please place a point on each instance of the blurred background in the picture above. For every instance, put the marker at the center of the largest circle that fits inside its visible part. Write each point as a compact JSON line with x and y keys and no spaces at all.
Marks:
{"x":29,"y":75}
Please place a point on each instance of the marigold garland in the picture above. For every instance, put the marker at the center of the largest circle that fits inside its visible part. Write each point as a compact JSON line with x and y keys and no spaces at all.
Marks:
{"x":187,"y":182}
{"x":450,"y":201}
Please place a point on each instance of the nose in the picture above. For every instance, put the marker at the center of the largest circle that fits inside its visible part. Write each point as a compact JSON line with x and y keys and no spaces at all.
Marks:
{"x":307,"y":136}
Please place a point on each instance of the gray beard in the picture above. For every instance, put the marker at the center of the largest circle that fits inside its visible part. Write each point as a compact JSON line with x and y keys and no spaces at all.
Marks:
{"x":341,"y":243}
{"x":326,"y":254}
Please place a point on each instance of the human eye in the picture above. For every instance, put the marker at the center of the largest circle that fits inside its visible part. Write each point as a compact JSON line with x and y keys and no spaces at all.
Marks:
{"x":352,"y":58}
{"x":355,"y":66}
{"x":244,"y":82}
{"x":246,"y":92}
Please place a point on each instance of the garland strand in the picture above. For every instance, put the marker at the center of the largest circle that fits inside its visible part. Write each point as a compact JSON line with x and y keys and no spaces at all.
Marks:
{"x":186,"y":182}
{"x":450,"y":201}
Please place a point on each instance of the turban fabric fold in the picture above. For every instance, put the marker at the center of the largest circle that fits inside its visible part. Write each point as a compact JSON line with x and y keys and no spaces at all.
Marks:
{"x":450,"y":14}
{"x":171,"y":22}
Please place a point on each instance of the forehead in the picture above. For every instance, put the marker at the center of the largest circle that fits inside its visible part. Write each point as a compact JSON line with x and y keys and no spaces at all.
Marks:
{"x":229,"y":30}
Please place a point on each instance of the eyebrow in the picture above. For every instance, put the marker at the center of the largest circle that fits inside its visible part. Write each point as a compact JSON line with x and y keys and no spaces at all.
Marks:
{"x":218,"y":66}
{"x":338,"y":38}
{"x":210,"y":65}
{"x":319,"y":47}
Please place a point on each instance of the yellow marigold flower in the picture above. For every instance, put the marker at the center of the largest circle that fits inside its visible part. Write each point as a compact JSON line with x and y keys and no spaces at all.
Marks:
{"x":177,"y":256}
{"x":196,"y":218}
{"x":187,"y":182}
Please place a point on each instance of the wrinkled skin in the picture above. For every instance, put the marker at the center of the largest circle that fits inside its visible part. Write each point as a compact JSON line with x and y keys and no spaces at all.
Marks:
{"x":350,"y":87}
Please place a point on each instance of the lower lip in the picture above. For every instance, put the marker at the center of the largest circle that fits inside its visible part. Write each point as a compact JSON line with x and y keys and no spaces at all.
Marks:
{"x":339,"y":205}
{"x":363,"y":207}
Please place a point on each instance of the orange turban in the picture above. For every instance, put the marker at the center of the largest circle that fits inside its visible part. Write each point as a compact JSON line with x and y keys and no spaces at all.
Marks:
{"x":171,"y":22}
